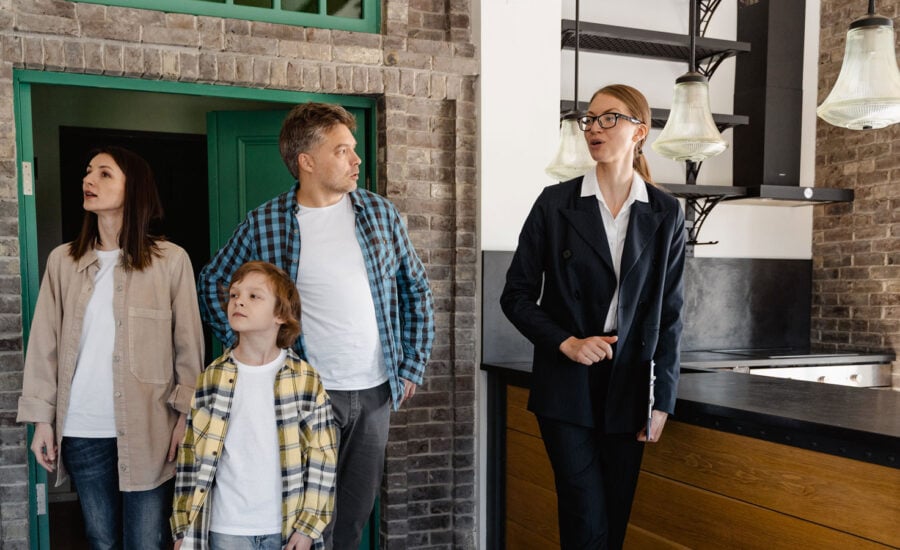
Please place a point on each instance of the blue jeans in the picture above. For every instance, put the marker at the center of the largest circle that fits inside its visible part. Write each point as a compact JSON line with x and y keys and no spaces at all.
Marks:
{"x":115,"y":519}
{"x":218,"y":541}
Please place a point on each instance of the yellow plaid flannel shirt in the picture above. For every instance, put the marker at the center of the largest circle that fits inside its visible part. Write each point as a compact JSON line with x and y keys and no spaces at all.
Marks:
{"x":308,"y":448}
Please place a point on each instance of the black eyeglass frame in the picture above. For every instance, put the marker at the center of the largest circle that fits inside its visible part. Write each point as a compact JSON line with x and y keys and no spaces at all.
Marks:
{"x":586,"y":122}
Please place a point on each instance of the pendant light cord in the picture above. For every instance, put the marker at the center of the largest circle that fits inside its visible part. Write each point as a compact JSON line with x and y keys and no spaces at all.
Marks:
{"x":871,"y":7}
{"x":692,"y":66}
{"x":577,"y":44}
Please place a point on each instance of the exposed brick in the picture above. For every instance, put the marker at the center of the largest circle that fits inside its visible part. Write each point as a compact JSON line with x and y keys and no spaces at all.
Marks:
{"x":357,"y":55}
{"x":171,"y":36}
{"x":54,"y":55}
{"x":120,"y":31}
{"x":250,"y":45}
{"x":46,"y":24}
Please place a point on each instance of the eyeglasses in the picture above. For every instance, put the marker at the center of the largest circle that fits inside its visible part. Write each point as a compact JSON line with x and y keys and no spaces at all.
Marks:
{"x":606,"y":120}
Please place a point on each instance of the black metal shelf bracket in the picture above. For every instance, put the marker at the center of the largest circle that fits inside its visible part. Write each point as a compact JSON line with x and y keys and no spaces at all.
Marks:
{"x":700,"y":209}
{"x":706,"y":8}
{"x":700,"y":201}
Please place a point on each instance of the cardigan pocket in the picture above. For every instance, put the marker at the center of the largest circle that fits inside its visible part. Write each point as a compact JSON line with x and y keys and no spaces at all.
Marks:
{"x":150,"y":345}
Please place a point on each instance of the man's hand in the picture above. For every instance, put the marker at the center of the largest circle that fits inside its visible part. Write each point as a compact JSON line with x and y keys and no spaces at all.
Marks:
{"x":297,"y":542}
{"x":43,"y":445}
{"x":177,"y":436}
{"x":409,"y":390}
{"x":178,"y":543}
{"x":657,"y":422}
{"x":590,"y":350}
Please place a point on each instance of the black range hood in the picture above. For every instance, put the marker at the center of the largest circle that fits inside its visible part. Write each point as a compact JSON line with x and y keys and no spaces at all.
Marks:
{"x":769,"y":88}
{"x":792,"y":195}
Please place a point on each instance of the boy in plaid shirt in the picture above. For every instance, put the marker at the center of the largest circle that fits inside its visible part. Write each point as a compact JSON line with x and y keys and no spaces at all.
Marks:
{"x":256,"y":468}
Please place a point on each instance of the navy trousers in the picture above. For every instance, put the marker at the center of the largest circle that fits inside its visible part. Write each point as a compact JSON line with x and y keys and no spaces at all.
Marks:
{"x":596,"y":475}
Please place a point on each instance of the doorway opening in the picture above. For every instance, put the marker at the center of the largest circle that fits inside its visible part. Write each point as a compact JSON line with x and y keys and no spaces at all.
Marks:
{"x":169,"y":131}
{"x":59,"y":118}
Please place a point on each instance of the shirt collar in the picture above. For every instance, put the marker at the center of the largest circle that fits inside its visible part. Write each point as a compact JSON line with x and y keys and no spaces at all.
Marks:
{"x":89,"y":258}
{"x":291,"y":205}
{"x":591,"y":187}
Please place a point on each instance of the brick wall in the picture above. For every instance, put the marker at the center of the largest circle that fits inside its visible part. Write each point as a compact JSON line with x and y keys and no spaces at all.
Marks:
{"x":423,"y":69}
{"x":856,"y":246}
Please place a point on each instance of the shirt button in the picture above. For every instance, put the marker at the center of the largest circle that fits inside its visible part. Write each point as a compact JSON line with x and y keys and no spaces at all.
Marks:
{"x":119,"y":323}
{"x":120,"y":432}
{"x":124,"y":467}
{"x":119,"y":288}
{"x":118,"y":394}
{"x":115,"y":358}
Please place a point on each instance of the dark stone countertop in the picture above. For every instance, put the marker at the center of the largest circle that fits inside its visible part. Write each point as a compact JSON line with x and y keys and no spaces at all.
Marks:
{"x":858,"y":423}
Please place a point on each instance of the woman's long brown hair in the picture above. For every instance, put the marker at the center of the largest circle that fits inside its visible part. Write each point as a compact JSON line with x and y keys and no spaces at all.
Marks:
{"x":141,"y":206}
{"x":637,"y":106}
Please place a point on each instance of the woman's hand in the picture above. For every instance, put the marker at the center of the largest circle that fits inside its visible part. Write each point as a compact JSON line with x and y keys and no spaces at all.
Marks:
{"x":178,"y":543}
{"x":657,"y":422}
{"x":43,"y":445}
{"x":590,"y":350}
{"x":177,"y":436}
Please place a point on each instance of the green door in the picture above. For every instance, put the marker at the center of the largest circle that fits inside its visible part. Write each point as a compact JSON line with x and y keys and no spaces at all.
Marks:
{"x":245,"y":170}
{"x":245,"y":166}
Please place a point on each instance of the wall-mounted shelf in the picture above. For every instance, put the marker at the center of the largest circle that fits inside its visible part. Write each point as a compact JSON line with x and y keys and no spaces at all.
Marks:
{"x":697,"y":192}
{"x":658,"y":117}
{"x":652,"y":44}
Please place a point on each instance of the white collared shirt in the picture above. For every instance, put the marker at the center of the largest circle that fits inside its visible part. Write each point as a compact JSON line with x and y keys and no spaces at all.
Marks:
{"x":616,"y":230}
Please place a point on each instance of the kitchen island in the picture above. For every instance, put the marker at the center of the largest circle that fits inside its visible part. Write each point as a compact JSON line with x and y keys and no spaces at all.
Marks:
{"x":746,"y":462}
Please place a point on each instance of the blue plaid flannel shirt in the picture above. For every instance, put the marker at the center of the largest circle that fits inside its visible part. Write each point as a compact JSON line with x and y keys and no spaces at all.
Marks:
{"x":404,"y":305}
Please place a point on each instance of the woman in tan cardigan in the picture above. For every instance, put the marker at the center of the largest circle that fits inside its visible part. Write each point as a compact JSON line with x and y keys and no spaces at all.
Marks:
{"x":113,"y":355}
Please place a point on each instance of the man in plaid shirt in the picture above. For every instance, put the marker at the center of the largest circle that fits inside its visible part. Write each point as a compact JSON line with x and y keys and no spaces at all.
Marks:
{"x":368,"y":311}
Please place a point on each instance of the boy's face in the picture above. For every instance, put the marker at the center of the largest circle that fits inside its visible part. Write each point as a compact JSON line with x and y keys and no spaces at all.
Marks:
{"x":251,"y":306}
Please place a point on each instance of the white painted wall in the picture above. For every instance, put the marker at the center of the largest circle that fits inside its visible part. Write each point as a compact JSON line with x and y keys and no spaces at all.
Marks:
{"x":519,"y":112}
{"x":524,"y":74}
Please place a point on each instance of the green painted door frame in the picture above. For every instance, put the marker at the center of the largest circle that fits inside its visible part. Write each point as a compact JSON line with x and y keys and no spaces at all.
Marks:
{"x":23,"y":80}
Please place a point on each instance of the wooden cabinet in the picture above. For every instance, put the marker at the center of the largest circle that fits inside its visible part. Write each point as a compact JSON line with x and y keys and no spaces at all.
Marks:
{"x":703,"y":488}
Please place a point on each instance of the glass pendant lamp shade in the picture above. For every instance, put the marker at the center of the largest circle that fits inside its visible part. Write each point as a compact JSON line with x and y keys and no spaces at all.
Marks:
{"x":690,"y":132}
{"x":573,"y":158}
{"x":867,"y":92}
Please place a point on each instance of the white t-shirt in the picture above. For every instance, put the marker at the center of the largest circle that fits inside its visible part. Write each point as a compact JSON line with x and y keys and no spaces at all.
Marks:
{"x":338,"y":319}
{"x":616,"y":230}
{"x":91,"y":412}
{"x":247,"y":498}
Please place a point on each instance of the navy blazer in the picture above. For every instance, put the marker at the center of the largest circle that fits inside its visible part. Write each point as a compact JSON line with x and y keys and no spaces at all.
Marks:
{"x":561,"y":283}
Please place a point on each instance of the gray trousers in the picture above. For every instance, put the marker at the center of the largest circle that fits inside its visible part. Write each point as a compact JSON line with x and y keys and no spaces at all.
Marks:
{"x":363,"y":418}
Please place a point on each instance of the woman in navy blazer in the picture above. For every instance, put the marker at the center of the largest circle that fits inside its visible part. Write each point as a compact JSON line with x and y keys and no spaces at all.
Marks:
{"x":596,"y":285}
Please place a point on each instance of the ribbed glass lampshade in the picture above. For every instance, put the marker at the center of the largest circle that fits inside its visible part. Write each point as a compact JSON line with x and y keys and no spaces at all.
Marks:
{"x":573,"y":158}
{"x":867,"y":92}
{"x":690,"y":132}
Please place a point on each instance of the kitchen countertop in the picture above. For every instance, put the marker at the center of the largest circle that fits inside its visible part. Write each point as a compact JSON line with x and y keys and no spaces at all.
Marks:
{"x":858,"y":423}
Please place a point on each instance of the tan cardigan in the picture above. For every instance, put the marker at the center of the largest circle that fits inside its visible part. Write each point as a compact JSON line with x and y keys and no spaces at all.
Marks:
{"x":157,"y":356}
